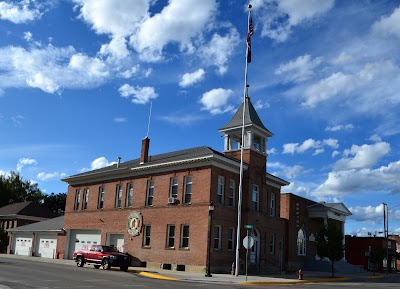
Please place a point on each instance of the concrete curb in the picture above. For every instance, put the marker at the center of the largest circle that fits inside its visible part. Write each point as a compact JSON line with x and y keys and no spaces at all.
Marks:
{"x":294,"y":281}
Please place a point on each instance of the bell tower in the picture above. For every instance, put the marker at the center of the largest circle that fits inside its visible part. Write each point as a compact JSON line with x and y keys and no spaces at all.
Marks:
{"x":255,"y":135}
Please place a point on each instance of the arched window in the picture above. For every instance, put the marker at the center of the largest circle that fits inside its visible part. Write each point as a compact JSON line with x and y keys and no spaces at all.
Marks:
{"x":301,"y":243}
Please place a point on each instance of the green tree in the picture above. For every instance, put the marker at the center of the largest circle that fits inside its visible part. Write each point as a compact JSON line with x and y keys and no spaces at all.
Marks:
{"x":55,"y":202}
{"x":14,"y":189}
{"x":329,"y":243}
{"x":3,"y":240}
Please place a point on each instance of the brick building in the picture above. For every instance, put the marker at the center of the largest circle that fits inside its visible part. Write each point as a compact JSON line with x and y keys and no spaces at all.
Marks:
{"x":156,"y":207}
{"x":163,"y":202}
{"x":363,"y":250}
{"x":304,"y":219}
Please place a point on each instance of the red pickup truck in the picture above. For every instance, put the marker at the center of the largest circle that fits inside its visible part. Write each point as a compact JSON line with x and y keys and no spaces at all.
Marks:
{"x":105,"y":256}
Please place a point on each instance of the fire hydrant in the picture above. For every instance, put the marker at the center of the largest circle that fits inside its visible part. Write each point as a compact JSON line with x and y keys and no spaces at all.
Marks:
{"x":300,"y":274}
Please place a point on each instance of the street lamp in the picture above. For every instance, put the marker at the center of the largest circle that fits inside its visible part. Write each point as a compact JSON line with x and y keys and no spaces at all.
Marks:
{"x":210,"y":212}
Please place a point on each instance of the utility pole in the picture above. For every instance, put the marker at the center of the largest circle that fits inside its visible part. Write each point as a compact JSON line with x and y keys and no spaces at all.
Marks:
{"x":386,"y":233}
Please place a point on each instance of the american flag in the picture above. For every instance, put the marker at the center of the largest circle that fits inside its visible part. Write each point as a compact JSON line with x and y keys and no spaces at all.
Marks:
{"x":248,"y":39}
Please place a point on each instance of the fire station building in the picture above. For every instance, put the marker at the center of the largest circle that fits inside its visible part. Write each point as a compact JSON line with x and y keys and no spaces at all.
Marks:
{"x":156,"y":207}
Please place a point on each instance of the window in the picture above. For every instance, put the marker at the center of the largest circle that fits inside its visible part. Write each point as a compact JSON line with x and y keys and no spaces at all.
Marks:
{"x":188,"y":190}
{"x":301,"y":243}
{"x":217,"y":238}
{"x":101,"y":198}
{"x":272,"y":205}
{"x":85,"y":199}
{"x":231,"y":193}
{"x":220,"y":193}
{"x":129,"y":195}
{"x":170,"y":236}
{"x":255,"y":198}
{"x":173,"y":191}
{"x":146,"y":236}
{"x":231,"y":239}
{"x":118,"y":197}
{"x":150,"y":193}
{"x":272,"y":244}
{"x":77,"y":199}
{"x":185,"y":236}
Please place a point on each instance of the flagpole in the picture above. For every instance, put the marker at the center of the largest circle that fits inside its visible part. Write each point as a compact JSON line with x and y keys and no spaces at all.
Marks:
{"x":237,"y":265}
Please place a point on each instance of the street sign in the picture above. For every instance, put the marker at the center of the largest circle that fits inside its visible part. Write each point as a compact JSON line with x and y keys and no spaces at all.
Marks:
{"x":248,"y":226}
{"x":248,"y":242}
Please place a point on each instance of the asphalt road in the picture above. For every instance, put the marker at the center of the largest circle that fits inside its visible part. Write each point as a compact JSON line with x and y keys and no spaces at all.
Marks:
{"x":27,"y":274}
{"x":24,"y":274}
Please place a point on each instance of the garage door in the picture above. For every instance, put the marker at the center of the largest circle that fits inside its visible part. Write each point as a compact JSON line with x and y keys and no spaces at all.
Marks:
{"x":83,"y":240}
{"x":46,"y":246}
{"x":23,"y":245}
{"x":116,"y":240}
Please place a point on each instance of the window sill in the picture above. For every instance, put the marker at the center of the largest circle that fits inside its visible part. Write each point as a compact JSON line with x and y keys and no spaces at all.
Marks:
{"x":184,"y":249}
{"x":146,"y":247}
{"x":169,"y":248}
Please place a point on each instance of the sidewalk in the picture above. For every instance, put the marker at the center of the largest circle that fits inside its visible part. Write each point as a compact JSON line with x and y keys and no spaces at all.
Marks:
{"x":309,"y":277}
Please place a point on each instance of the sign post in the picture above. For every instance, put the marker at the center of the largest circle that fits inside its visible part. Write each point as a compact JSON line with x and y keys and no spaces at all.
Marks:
{"x":248,"y":242}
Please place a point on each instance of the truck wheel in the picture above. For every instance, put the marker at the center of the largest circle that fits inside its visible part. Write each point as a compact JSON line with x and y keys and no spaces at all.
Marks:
{"x":79,"y":261}
{"x":124,"y":268}
{"x":96,"y":266}
{"x":106,"y":264}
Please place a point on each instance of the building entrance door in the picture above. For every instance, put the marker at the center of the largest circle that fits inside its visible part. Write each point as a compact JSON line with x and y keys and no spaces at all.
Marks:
{"x":255,"y":250}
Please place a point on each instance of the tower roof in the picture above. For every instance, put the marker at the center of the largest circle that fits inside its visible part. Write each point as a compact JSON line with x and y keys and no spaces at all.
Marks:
{"x":250,"y":118}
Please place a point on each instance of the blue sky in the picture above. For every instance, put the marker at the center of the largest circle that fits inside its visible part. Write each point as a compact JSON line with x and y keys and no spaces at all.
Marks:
{"x":77,"y":79}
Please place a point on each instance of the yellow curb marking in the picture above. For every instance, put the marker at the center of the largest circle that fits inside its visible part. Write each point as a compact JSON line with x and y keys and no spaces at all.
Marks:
{"x":375,"y":277}
{"x":151,"y":275}
{"x":296,"y":281}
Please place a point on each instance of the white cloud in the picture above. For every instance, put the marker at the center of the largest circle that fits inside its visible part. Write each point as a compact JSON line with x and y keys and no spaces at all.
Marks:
{"x":339,"y":127}
{"x":260,"y":104}
{"x":299,"y":70}
{"x":367,"y":213}
{"x":279,"y":17}
{"x":388,"y":25}
{"x":116,"y":48}
{"x":114,"y":17}
{"x":43,"y":82}
{"x":119,"y":119}
{"x":355,"y":181}
{"x":50,"y":69}
{"x":292,"y":172}
{"x":101,"y":162}
{"x":17,"y":120}
{"x":271,"y":151}
{"x":219,"y":49}
{"x":370,"y":86}
{"x":216,"y":101}
{"x":375,"y":138}
{"x":189,"y":79}
{"x":182,"y":119}
{"x":316,"y":145}
{"x":362,"y":157}
{"x":47,"y":176}
{"x":178,"y":23}
{"x":28,"y":36}
{"x":130,"y":72}
{"x":25,"y":162}
{"x":23,"y":12}
{"x":139,"y":95}
{"x":328,"y":88}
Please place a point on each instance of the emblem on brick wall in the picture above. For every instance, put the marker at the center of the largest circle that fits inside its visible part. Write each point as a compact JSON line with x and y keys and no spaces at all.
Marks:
{"x":134,"y":223}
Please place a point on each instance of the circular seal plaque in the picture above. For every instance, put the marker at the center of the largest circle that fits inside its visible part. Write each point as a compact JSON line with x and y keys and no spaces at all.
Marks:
{"x":134,"y":223}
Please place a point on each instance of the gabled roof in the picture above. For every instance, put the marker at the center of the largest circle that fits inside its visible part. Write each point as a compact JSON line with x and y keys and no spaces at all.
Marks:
{"x":250,"y":118}
{"x":338,"y":207}
{"x":26,"y":209}
{"x":51,"y":225}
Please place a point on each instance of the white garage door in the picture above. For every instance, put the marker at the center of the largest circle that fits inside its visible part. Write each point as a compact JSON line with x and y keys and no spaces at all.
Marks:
{"x":116,"y":240}
{"x":23,"y":245}
{"x":83,"y":240}
{"x":46,"y":246}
